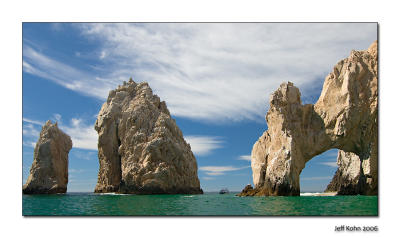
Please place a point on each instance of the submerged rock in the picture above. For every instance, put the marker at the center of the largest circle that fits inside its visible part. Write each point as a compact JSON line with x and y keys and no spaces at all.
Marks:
{"x":344,"y":117}
{"x":248,"y":191}
{"x":141,"y":149}
{"x":49,"y":171}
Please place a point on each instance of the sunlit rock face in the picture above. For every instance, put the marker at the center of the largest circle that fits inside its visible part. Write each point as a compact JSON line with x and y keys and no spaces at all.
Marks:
{"x":344,"y":117}
{"x":347,"y":178}
{"x":141,"y":149}
{"x":49,"y":170}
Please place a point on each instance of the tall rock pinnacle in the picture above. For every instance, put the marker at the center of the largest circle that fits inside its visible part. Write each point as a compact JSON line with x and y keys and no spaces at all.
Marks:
{"x":141,"y":149}
{"x":49,"y":171}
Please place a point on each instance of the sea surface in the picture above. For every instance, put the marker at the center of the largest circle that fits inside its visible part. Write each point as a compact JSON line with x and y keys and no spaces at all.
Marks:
{"x":208,"y":204}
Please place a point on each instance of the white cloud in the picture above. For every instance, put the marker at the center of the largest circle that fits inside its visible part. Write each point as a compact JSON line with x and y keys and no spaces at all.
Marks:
{"x":39,"y":123}
{"x":83,"y":136}
{"x":317,"y":178}
{"x":245,"y":157}
{"x":219,"y":170}
{"x":39,"y":64}
{"x":30,"y":130}
{"x":330,"y":163}
{"x":102,"y":55}
{"x":329,"y":157}
{"x":57,"y":117}
{"x":212,"y":72}
{"x":208,"y":178}
{"x":202,"y":145}
{"x":29,"y":143}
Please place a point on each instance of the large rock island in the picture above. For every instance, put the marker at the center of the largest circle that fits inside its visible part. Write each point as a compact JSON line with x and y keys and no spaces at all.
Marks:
{"x":344,"y":117}
{"x":49,"y":171}
{"x":141,"y":149}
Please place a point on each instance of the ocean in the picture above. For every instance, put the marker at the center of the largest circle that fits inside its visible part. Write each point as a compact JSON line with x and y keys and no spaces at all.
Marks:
{"x":208,"y":204}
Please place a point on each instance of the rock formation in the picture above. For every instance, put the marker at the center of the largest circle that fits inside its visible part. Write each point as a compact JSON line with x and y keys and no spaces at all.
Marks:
{"x":141,"y":149}
{"x":350,"y":175}
{"x":344,"y":117}
{"x":49,"y":171}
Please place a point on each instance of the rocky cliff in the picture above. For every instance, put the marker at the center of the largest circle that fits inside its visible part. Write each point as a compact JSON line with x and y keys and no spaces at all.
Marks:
{"x":49,"y":171}
{"x":344,"y":117}
{"x":141,"y":149}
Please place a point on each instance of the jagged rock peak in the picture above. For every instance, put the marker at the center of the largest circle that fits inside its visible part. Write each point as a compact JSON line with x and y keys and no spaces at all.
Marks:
{"x":129,"y":90}
{"x":49,"y":170}
{"x":141,"y":149}
{"x":286,"y":94}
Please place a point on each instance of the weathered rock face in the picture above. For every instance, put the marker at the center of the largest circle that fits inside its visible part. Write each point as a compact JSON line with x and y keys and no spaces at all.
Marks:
{"x":49,"y":171}
{"x":353,"y":176}
{"x":141,"y":150}
{"x":344,"y":117}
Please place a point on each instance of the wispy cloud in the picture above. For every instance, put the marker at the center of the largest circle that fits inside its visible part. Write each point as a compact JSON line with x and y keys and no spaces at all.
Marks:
{"x":329,"y":157}
{"x":30,"y":130}
{"x":41,"y":65}
{"x":219,"y":170}
{"x":317,"y":178}
{"x":330,"y":164}
{"x":39,"y":123}
{"x":83,"y":135}
{"x":208,"y":178}
{"x":102,"y":55}
{"x":208,"y":72}
{"x":202,"y":145}
{"x":245,"y":157}
{"x":29,"y":143}
{"x":57,"y":117}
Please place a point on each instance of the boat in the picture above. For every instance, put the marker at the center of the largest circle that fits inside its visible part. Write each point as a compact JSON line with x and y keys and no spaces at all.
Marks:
{"x":223,"y":191}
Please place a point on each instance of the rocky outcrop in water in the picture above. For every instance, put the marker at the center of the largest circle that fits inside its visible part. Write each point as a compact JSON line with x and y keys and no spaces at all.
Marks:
{"x":350,"y":176}
{"x":141,"y":149}
{"x":49,"y":171}
{"x":344,"y":117}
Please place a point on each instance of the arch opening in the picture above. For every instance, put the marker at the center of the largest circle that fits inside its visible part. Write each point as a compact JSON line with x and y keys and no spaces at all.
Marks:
{"x":319,"y":172}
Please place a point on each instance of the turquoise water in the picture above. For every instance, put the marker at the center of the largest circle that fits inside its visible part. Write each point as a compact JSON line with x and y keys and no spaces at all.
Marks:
{"x":209,"y":204}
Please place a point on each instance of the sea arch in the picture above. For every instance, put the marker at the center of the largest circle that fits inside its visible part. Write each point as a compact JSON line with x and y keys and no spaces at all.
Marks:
{"x":345,"y":117}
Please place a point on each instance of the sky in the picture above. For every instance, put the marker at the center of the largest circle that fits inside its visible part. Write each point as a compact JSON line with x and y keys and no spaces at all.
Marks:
{"x":215,"y":78}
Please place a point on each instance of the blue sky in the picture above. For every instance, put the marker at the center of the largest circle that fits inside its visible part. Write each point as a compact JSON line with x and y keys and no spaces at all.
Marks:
{"x":215,"y":78}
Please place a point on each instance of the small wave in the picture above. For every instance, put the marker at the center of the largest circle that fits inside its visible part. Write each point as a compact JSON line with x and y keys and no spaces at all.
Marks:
{"x":190,"y":196}
{"x":318,"y":194}
{"x":113,"y":194}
